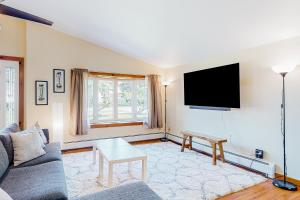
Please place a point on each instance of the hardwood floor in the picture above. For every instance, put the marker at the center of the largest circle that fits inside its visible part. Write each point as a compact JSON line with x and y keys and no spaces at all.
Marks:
{"x":262,"y":191}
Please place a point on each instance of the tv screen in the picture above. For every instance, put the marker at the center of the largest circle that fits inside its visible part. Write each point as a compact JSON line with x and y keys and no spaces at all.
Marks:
{"x":214,"y":87}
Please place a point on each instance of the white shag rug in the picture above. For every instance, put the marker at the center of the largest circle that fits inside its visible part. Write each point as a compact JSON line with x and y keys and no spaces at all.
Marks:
{"x":172,"y":174}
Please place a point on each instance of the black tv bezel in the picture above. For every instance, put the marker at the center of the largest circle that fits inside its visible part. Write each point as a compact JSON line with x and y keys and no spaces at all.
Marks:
{"x":213,"y":107}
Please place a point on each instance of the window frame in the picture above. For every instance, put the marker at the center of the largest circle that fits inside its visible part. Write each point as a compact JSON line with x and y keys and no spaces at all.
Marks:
{"x":115,"y":77}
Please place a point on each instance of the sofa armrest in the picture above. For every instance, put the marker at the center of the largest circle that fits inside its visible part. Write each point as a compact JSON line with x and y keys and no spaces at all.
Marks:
{"x":132,"y":191}
{"x":46,"y":132}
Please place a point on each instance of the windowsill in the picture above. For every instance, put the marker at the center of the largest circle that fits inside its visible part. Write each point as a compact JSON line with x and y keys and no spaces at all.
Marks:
{"x":116,"y":124}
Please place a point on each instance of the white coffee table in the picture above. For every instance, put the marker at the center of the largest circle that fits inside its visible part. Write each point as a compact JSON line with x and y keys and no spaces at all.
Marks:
{"x":114,"y":151}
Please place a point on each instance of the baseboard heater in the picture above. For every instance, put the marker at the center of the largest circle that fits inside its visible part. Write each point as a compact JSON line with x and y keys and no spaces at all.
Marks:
{"x":258,"y":166}
{"x":129,"y":138}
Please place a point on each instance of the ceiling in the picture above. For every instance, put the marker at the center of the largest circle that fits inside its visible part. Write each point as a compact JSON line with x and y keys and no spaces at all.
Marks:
{"x":169,"y":33}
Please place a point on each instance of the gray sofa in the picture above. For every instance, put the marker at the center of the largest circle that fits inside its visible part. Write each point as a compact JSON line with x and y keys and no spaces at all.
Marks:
{"x":43,"y":178}
{"x":133,"y":191}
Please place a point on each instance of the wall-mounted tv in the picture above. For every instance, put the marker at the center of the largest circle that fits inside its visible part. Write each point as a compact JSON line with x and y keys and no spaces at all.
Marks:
{"x":213,"y":87}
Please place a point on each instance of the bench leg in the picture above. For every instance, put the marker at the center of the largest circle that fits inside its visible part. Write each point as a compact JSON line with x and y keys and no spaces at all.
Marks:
{"x":214,"y":153}
{"x":221,"y":152}
{"x":191,"y":142}
{"x":183,"y":143}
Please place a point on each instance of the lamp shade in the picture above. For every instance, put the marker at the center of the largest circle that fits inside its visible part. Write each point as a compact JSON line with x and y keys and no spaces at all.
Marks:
{"x":283,"y":68}
{"x":166,"y":83}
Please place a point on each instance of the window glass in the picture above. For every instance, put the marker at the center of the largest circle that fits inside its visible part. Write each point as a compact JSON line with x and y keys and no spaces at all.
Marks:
{"x":105,"y":103}
{"x":117,"y":100}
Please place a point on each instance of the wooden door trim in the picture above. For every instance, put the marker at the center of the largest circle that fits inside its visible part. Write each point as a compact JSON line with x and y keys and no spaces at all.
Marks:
{"x":21,"y":86}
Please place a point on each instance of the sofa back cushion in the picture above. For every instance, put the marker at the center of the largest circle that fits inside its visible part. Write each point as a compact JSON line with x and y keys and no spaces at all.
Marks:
{"x":6,"y":140}
{"x":4,"y":162}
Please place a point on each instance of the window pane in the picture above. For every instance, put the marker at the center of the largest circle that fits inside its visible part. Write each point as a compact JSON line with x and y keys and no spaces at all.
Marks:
{"x":10,"y":96}
{"x":142,"y":111}
{"x":125,"y":110}
{"x":105,"y":110}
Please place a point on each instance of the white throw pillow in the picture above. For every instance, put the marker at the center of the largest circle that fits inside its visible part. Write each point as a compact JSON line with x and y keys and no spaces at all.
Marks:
{"x":35,"y":130}
{"x":41,"y":132}
{"x":4,"y":195}
{"x":27,"y":146}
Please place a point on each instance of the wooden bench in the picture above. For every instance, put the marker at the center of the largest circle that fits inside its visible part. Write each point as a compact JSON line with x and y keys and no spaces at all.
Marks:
{"x":214,"y":141}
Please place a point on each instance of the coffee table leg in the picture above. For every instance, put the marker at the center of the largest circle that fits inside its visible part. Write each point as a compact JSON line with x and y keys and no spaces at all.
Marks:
{"x":144,"y":170}
{"x":101,"y":163}
{"x":130,"y":168}
{"x":94,"y":154}
{"x":110,"y":174}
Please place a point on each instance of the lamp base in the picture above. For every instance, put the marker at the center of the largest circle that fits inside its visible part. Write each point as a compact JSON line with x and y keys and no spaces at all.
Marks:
{"x":164,"y":139}
{"x":284,"y":185}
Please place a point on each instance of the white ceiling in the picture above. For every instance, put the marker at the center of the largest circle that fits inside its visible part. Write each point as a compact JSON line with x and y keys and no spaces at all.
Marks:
{"x":171,"y":32}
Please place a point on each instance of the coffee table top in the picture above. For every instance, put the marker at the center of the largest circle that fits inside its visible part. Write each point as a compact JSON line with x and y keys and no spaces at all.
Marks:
{"x":118,"y":150}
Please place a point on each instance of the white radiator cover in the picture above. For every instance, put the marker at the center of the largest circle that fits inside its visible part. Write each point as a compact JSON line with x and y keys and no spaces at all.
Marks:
{"x":267,"y":168}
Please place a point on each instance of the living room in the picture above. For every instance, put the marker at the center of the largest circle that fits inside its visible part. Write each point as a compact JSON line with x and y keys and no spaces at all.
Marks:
{"x":135,"y":58}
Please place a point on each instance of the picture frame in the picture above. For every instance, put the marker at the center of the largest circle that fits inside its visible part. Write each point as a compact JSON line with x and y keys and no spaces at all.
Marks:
{"x":41,"y":92}
{"x":59,"y":81}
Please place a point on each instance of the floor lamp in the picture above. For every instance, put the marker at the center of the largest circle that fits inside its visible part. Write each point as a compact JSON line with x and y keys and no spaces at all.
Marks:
{"x":283,"y":184}
{"x":165,"y":138}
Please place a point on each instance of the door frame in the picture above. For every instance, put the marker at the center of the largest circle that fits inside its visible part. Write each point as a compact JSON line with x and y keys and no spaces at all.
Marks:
{"x":21,"y":87}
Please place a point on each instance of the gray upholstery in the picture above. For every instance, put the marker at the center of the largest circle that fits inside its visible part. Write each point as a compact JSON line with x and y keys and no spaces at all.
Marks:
{"x":43,"y":178}
{"x":53,"y":153}
{"x":134,"y":191}
{"x":4,"y":162}
{"x":41,"y":182}
{"x":6,"y":140}
{"x":46,"y":133}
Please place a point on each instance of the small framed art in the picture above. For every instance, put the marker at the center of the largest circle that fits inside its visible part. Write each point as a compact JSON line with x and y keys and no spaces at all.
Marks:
{"x":41,"y":92}
{"x":58,"y":80}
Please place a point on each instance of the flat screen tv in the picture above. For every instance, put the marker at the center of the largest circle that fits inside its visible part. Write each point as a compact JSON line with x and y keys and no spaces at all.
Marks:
{"x":214,"y":87}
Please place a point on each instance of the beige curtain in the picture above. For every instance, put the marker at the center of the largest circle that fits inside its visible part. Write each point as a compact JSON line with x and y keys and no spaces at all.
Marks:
{"x":155,"y":119}
{"x":78,"y":102}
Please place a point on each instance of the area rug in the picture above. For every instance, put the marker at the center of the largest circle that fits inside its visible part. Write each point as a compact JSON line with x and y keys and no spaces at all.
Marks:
{"x":172,"y":174}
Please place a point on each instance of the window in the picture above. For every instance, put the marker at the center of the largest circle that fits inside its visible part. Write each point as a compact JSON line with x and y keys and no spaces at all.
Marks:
{"x":116,"y":99}
{"x":9,"y":101}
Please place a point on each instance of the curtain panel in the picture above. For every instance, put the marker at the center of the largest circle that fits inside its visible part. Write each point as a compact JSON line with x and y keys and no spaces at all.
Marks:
{"x":155,"y":118}
{"x":79,"y":124}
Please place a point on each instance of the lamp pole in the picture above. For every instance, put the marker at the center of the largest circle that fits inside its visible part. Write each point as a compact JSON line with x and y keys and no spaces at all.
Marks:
{"x":283,"y":184}
{"x":165,"y":139}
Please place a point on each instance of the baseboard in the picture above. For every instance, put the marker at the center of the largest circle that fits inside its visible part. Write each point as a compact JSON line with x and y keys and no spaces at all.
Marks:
{"x":289,"y":179}
{"x":251,"y":164}
{"x":129,"y":138}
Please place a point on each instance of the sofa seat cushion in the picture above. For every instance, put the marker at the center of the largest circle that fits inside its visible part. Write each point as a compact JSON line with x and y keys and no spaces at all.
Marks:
{"x":133,"y":191}
{"x":53,"y":153}
{"x":40,"y":182}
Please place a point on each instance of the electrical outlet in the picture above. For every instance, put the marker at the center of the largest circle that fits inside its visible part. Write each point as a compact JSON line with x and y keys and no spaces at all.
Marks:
{"x":259,"y":153}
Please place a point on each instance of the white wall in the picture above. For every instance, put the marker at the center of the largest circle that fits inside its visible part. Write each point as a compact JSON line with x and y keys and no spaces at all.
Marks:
{"x":257,"y":123}
{"x":47,"y":49}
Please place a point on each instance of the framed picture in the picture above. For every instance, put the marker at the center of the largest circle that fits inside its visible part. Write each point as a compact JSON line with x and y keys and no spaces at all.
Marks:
{"x":41,"y":92}
{"x":58,"y":80}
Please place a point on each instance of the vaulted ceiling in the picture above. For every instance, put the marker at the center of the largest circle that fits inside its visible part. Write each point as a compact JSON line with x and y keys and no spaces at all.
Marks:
{"x":169,"y":33}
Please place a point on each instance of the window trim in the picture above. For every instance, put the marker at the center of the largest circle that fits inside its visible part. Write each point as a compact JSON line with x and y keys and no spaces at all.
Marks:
{"x":117,"y":124}
{"x":118,"y":76}
{"x":21,"y":86}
